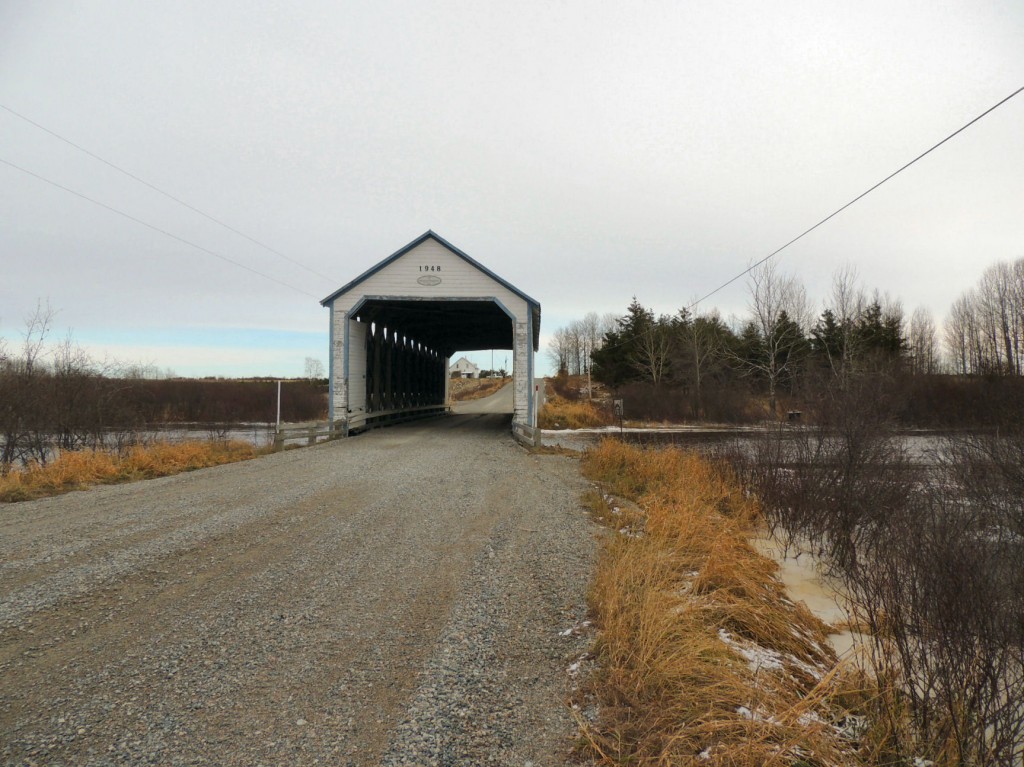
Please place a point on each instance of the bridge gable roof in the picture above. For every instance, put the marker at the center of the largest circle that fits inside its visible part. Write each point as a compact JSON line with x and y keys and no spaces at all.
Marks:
{"x":431,"y":235}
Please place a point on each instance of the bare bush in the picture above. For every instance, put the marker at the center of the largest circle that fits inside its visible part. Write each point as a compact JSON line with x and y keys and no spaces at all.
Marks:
{"x":940,"y":599}
{"x":988,"y":468}
{"x":832,"y":483}
{"x":932,"y":557}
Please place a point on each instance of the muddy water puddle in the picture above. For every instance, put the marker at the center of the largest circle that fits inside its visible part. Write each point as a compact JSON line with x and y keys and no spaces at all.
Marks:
{"x":805,"y":582}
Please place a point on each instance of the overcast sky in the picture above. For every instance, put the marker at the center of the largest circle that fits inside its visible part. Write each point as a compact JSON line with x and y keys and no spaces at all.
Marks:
{"x":585,"y":151}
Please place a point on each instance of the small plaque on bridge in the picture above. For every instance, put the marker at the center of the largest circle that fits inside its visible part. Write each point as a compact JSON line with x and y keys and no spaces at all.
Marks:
{"x":429,"y":280}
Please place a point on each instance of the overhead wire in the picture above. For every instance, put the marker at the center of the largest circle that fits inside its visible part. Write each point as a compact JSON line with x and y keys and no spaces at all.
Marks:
{"x":290,"y":260}
{"x":166,"y":194}
{"x":155,"y":228}
{"x":835,"y":213}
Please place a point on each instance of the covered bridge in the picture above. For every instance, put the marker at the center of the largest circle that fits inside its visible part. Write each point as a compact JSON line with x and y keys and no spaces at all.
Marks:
{"x":395,"y":327}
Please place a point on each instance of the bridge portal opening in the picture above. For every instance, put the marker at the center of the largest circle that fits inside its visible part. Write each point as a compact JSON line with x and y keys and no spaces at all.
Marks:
{"x":395,"y":328}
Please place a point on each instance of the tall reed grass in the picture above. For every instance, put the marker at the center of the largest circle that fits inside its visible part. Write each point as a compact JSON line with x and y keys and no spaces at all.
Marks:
{"x":559,"y":413}
{"x":701,"y":658}
{"x":76,"y":470}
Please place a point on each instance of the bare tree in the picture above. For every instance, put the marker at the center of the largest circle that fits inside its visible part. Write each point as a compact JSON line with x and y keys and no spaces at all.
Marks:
{"x":577,"y":352}
{"x":779,"y":315}
{"x":558,"y":350}
{"x":924,"y":353}
{"x":848,"y":303}
{"x":702,"y":342}
{"x":985,"y":328}
{"x":653,"y":349}
{"x":314,"y":368}
{"x":572,"y":348}
{"x":960,"y":335}
{"x":590,"y":334}
{"x":22,"y":394}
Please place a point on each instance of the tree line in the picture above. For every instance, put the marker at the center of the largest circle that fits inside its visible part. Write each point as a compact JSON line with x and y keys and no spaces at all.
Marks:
{"x":985,"y":329}
{"x":781,"y":355}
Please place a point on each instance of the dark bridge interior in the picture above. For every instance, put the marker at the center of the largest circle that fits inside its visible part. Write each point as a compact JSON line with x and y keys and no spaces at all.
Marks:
{"x":445,"y":326}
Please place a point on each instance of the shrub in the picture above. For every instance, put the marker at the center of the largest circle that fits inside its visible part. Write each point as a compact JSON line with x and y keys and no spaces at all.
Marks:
{"x":933,"y":560}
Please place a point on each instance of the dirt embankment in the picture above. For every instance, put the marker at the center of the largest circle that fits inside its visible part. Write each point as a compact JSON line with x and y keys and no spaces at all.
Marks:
{"x":474,"y":388}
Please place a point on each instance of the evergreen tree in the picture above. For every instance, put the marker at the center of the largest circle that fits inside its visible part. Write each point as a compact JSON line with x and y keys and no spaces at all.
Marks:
{"x":827,"y":337}
{"x":880,"y":333}
{"x":614,"y":361}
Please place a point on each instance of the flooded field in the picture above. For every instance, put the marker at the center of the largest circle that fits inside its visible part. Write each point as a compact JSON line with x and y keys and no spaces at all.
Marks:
{"x":709,"y":439}
{"x":255,"y":434}
{"x":697,"y":437}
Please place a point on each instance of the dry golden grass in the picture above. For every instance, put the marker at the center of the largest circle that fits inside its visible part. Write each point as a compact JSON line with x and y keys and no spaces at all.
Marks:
{"x":81,"y":469}
{"x":559,"y":413}
{"x":701,"y":658}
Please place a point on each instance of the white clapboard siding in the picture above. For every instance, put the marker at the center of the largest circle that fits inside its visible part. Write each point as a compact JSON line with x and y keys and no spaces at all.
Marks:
{"x":459,"y":279}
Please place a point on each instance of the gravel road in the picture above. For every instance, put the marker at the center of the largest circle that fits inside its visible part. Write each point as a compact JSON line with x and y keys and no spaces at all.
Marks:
{"x":404,"y":597}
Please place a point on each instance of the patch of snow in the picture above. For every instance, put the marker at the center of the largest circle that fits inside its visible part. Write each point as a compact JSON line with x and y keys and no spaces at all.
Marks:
{"x":761,"y":657}
{"x":809,"y":718}
{"x":757,"y":657}
{"x":755,"y":716}
{"x":814,"y":672}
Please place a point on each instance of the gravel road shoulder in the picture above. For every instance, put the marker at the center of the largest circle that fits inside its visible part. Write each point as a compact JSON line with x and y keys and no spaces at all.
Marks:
{"x":401,"y":597}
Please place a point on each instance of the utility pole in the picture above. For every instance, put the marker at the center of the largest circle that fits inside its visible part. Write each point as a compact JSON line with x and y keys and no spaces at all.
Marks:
{"x":590,"y":382}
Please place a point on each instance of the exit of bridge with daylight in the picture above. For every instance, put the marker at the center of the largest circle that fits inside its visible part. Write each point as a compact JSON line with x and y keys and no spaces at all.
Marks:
{"x":296,"y":470}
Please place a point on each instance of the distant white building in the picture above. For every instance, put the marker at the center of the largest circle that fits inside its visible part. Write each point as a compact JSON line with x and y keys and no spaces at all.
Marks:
{"x":464,"y":368}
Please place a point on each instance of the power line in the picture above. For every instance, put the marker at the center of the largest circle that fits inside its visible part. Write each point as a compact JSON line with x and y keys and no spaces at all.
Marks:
{"x":156,"y":228}
{"x":835,"y":213}
{"x":168,"y":195}
{"x":855,"y":199}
